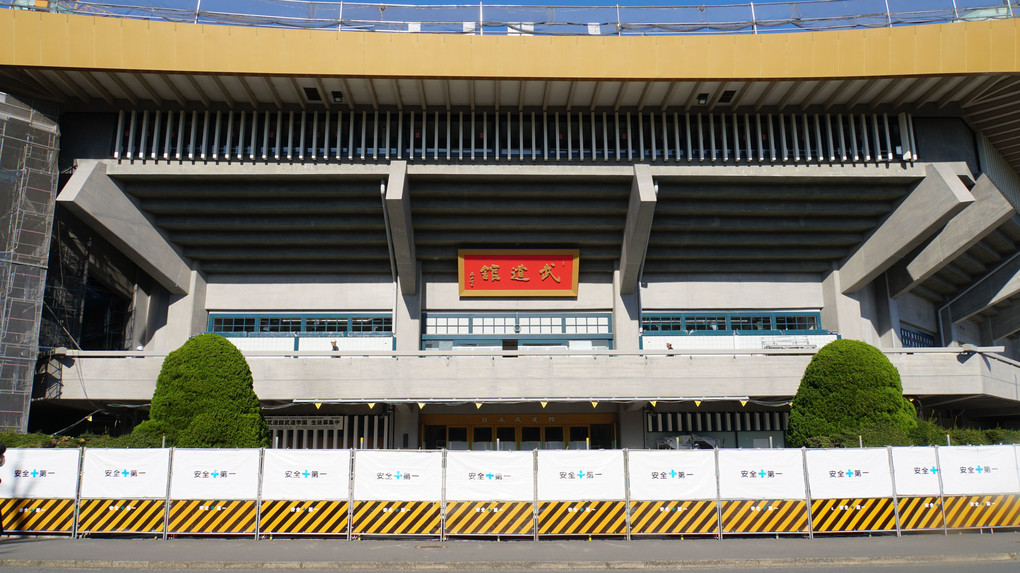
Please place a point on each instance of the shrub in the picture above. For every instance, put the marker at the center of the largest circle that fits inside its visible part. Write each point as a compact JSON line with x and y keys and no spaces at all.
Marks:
{"x":850,"y":388}
{"x":205,"y":398}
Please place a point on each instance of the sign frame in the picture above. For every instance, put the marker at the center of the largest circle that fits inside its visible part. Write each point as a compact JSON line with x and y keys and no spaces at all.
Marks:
{"x":463,"y":254}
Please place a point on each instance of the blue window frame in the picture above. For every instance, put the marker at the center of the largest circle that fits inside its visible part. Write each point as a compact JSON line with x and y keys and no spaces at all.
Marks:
{"x":528,"y":328}
{"x":300,"y":324}
{"x":916,"y":339}
{"x":729,"y":322}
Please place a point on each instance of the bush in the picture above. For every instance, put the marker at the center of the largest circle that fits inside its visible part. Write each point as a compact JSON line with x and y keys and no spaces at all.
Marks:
{"x":850,"y":388}
{"x":205,"y":398}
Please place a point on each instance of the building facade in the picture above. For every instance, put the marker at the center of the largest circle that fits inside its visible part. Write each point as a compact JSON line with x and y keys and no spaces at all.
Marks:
{"x":525,"y":241}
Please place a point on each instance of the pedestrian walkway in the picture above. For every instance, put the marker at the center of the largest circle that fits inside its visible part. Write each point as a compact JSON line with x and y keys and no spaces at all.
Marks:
{"x":420,"y":554}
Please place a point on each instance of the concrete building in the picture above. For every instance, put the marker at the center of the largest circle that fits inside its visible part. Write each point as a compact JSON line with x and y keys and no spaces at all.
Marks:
{"x":515,"y":240}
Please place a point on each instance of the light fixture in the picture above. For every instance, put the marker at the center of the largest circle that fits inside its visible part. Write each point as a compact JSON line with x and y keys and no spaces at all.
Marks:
{"x":338,"y":97}
{"x":371,"y":405}
{"x":702,"y":99}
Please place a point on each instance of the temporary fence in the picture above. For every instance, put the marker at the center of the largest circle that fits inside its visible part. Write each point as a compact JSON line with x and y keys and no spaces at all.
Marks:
{"x":538,"y":494}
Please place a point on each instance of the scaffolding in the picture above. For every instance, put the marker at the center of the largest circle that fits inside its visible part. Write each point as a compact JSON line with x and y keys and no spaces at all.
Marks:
{"x":28,"y":182}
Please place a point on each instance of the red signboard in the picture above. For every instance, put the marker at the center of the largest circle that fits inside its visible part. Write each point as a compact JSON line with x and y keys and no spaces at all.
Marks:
{"x":517,"y":273}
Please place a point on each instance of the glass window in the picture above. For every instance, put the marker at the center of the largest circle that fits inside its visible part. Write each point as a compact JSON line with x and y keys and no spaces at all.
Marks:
{"x":280,"y":324}
{"x":796,"y":322}
{"x":706,"y":323}
{"x":916,"y":339}
{"x":326,"y":325}
{"x":233,"y":324}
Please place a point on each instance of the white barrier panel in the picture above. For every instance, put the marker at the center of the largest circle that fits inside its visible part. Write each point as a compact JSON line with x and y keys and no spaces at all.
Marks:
{"x":38,"y":473}
{"x":386,"y":475}
{"x":761,"y":474}
{"x":490,"y":476}
{"x":214,"y":474}
{"x":125,"y":474}
{"x":581,"y":475}
{"x":968,"y":470}
{"x":916,"y":471}
{"x":849,"y":473}
{"x":306,"y":474}
{"x":672,"y":475}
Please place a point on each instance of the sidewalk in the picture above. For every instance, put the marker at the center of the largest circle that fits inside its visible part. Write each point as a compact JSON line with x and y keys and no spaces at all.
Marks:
{"x":420,"y":554}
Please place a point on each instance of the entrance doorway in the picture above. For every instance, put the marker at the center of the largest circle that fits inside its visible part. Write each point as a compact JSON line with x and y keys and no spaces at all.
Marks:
{"x":518,"y":432}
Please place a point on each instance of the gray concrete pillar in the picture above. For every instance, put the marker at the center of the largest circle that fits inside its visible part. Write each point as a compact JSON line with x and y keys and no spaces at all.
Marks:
{"x":407,"y":319}
{"x":405,"y":426}
{"x":187,"y":315}
{"x":841,"y":313}
{"x":632,"y":426}
{"x":626,"y":316}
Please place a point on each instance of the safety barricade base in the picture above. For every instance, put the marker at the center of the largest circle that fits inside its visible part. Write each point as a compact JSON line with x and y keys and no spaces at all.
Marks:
{"x":488,"y":518}
{"x":921,"y":513}
{"x":857,"y":515}
{"x":25,"y":515}
{"x":982,"y":511}
{"x":674,"y":518}
{"x":214,"y":517}
{"x":295,"y":517}
{"x":403,"y":518}
{"x":582,"y":518}
{"x":121,"y":516}
{"x":769,"y":516}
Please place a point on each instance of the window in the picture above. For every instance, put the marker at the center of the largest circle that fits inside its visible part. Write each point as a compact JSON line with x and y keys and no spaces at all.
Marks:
{"x":701,"y":323}
{"x":916,"y":339}
{"x":280,"y":324}
{"x":314,"y":325}
{"x":326,"y":325}
{"x":796,"y":322}
{"x":233,"y":324}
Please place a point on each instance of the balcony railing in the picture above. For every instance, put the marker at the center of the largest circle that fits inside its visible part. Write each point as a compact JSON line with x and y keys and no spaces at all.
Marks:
{"x":527,"y":20}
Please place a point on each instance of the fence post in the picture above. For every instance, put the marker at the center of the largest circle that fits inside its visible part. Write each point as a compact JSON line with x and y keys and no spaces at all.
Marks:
{"x":198,"y":7}
{"x":888,"y":14}
{"x":895,"y":494}
{"x":754,"y":20}
{"x":481,"y":20}
{"x":340,"y":24}
{"x":807,"y":494}
{"x":619,"y":24}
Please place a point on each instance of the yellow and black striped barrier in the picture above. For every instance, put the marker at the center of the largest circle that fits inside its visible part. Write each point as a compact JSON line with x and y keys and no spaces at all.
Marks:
{"x":396,"y":518}
{"x":121,"y":515}
{"x":920,"y":513}
{"x":304,"y":517}
{"x":223,"y":517}
{"x":490,"y":518}
{"x":582,"y":518}
{"x":979,"y":511}
{"x":765,"y":516}
{"x":853,"y":515}
{"x":22,"y":515}
{"x":674,"y":517}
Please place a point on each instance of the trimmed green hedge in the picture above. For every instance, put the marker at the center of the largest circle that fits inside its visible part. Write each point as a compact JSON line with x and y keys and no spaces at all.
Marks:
{"x":850,"y":389}
{"x":205,"y":398}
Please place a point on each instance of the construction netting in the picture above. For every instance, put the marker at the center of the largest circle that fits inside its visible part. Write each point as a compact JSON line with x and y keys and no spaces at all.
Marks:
{"x":28,"y":180}
{"x":604,"y":20}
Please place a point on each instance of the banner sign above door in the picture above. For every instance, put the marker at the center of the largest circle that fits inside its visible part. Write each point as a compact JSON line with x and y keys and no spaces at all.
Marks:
{"x":493,"y":273}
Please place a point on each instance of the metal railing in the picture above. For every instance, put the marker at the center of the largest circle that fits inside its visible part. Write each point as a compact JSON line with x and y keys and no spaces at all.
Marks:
{"x":515,"y":20}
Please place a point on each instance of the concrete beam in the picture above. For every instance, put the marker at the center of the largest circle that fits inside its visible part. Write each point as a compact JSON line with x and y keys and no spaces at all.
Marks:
{"x":992,"y":289}
{"x":97,"y":200}
{"x":989,"y":210}
{"x":638,"y":226}
{"x":398,"y":212}
{"x":1005,"y":323}
{"x":932,"y":203}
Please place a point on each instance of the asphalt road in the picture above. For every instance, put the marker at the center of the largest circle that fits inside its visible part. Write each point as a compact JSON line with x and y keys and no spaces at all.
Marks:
{"x":971,"y":551}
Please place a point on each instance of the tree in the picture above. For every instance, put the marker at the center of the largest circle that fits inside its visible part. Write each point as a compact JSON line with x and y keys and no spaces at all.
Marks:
{"x":849,"y":388}
{"x":205,"y":398}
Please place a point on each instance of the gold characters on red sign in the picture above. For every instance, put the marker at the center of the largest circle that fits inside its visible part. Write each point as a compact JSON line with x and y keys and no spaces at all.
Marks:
{"x":546,"y":272}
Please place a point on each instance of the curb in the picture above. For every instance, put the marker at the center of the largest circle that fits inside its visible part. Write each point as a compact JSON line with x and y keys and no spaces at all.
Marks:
{"x":804,"y":562}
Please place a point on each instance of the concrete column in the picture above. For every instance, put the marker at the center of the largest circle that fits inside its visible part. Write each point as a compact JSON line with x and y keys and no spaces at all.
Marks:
{"x":841,"y":313}
{"x":407,"y":318}
{"x":187,"y":315}
{"x":405,"y":423}
{"x":632,"y":426}
{"x":626,"y":316}
{"x":888,"y":315}
{"x":150,"y":313}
